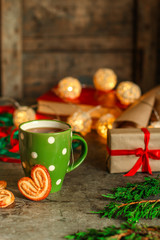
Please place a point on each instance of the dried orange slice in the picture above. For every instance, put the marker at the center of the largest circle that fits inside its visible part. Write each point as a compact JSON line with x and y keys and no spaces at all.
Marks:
{"x":3,"y":184}
{"x":6,"y":198}
{"x":38,"y":186}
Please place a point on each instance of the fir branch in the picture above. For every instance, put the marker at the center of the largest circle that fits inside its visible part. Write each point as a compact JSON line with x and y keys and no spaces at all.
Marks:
{"x":125,"y":231}
{"x":136,"y":191}
{"x":132,"y":211}
{"x":143,"y":201}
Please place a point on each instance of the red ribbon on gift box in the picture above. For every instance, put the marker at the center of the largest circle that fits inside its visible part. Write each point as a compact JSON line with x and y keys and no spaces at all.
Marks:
{"x":143,"y":154}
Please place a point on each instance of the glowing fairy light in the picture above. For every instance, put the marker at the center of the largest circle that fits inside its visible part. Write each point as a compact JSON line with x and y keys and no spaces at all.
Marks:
{"x":127,"y":92}
{"x":23,"y":114}
{"x":104,"y":123}
{"x":104,"y":79}
{"x":69,"y":87}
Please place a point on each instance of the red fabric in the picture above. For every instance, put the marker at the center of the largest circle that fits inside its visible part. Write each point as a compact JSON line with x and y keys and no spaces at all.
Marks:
{"x":6,"y":109}
{"x":10,"y":160}
{"x":4,"y":131}
{"x":143,"y":154}
{"x":42,"y":116}
{"x":89,"y":96}
{"x":14,"y":142}
{"x":15,"y":148}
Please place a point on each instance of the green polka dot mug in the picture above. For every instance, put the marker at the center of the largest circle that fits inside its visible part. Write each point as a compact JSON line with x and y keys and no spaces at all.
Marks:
{"x":49,"y":143}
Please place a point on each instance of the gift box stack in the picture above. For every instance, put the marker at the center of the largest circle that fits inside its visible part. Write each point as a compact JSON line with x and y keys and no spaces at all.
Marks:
{"x":133,"y":145}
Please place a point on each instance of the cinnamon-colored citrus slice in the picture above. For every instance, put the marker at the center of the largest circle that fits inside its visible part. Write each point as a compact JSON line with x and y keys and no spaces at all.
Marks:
{"x":6,"y":198}
{"x":3,"y":184}
{"x":38,"y":186}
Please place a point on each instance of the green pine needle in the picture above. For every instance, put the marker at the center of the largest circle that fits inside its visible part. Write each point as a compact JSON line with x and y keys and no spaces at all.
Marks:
{"x":125,"y":231}
{"x":136,"y":191}
{"x":132,"y":211}
{"x":133,"y":208}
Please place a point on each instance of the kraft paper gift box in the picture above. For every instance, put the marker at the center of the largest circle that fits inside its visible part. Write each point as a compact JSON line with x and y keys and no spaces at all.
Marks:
{"x":132,"y":139}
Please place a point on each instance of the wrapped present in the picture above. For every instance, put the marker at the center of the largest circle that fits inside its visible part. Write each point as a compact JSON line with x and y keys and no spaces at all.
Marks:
{"x":133,"y":150}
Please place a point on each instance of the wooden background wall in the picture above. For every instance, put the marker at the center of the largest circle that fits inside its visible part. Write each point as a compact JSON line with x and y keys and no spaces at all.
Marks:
{"x":44,"y":41}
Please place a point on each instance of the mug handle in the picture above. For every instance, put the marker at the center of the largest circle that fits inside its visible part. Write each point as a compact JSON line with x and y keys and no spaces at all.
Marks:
{"x":84,"y":151}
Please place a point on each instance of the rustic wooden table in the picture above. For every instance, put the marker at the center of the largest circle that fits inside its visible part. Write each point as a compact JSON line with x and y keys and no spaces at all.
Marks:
{"x":68,"y":210}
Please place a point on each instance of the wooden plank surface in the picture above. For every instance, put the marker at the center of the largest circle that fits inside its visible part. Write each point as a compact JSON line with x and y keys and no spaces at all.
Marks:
{"x":74,"y":38}
{"x":11,"y":43}
{"x":78,"y":26}
{"x":77,"y":18}
{"x":147,"y":43}
{"x":77,"y":43}
{"x":42,"y":71}
{"x":0,"y":50}
{"x":69,"y":210}
{"x":158,"y":52}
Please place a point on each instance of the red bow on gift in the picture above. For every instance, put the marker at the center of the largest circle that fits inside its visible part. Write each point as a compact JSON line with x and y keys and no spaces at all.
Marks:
{"x":143,"y":154}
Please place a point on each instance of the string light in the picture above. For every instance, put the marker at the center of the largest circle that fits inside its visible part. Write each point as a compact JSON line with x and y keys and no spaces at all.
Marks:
{"x":105,"y":79}
{"x":104,"y":123}
{"x":69,"y":87}
{"x":80,"y":122}
{"x":23,"y":114}
{"x":127,"y":92}
{"x":155,"y":124}
{"x":4,"y":100}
